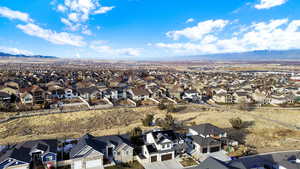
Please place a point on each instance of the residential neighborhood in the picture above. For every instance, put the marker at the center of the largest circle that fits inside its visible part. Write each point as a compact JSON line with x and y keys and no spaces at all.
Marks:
{"x":43,"y":88}
{"x":204,"y":144}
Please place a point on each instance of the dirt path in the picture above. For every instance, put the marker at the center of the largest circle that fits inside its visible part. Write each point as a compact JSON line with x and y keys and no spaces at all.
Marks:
{"x":289,"y":126}
{"x":258,"y":117}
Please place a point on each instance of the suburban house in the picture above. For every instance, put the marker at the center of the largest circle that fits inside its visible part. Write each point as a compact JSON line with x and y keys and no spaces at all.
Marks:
{"x":191,"y":95}
{"x":57,"y":92}
{"x":4,"y":97}
{"x":213,"y":163}
{"x":160,"y":146}
{"x":139,"y":93}
{"x":280,"y":160}
{"x":204,"y":139}
{"x":225,"y":98}
{"x":89,"y":93}
{"x":69,"y":94}
{"x":40,"y":153}
{"x":38,"y":94}
{"x":95,"y":152}
{"x":241,"y":97}
{"x":26,"y":98}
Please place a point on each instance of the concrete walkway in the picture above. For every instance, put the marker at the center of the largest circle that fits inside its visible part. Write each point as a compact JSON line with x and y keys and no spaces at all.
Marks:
{"x":170,"y":164}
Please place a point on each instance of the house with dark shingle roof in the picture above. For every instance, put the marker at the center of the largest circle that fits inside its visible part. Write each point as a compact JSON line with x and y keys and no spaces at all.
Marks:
{"x":213,"y":163}
{"x":30,"y":153}
{"x":206,"y":130}
{"x":205,"y":139}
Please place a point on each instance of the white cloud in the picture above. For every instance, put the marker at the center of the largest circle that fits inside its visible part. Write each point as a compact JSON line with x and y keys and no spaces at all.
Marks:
{"x":280,"y":34}
{"x":61,"y":38}
{"x":73,"y":17}
{"x":61,"y":8}
{"x":11,"y":14}
{"x":190,"y":20}
{"x":86,"y":30}
{"x":267,"y":4}
{"x":104,"y":10}
{"x":99,"y":47}
{"x":77,"y":12}
{"x":72,"y":27}
{"x":15,"y":51}
{"x":199,"y":31}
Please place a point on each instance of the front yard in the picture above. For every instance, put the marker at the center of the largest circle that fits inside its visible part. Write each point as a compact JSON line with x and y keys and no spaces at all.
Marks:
{"x":187,"y":162}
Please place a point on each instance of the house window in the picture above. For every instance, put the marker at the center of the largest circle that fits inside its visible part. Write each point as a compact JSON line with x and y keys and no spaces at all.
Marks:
{"x":163,"y":146}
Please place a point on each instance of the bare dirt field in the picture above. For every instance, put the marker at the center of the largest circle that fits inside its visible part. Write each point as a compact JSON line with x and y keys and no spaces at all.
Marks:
{"x":263,"y":134}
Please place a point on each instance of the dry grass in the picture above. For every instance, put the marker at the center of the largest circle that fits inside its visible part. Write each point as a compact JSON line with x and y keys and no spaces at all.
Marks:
{"x":264,"y":135}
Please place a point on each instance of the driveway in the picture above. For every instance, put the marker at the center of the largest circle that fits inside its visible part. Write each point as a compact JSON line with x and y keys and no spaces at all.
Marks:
{"x":170,"y":164}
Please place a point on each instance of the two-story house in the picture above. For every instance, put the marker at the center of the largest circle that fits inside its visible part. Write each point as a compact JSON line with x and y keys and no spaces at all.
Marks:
{"x":160,"y":145}
{"x":205,"y":138}
{"x":191,"y":95}
{"x":39,"y":153}
{"x":95,"y":152}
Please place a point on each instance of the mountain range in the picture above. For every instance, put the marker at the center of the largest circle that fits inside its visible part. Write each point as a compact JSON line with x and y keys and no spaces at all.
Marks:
{"x":6,"y":55}
{"x":252,"y":55}
{"x":259,"y":55}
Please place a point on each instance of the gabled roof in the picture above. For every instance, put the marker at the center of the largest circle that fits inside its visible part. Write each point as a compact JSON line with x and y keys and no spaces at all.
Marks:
{"x":138,"y":91}
{"x":98,"y":143}
{"x":86,"y":140}
{"x":89,"y":90}
{"x":212,"y":163}
{"x":21,"y":151}
{"x":207,"y":129}
{"x":205,"y":141}
{"x":160,"y":136}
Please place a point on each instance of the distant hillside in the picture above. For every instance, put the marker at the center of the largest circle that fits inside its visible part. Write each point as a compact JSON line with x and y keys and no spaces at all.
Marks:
{"x":4,"y":55}
{"x":253,"y":55}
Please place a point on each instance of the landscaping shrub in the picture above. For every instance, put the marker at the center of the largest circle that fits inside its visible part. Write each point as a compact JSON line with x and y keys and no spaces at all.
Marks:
{"x":236,"y":123}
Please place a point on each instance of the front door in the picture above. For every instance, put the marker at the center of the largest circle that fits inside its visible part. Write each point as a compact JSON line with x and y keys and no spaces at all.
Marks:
{"x":110,"y":151}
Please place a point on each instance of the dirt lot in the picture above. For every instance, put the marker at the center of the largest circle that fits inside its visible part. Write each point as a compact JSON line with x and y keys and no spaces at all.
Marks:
{"x":263,"y":134}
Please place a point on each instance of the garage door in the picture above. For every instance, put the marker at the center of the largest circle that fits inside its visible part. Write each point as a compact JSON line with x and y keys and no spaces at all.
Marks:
{"x":153,"y":159}
{"x":93,"y":164}
{"x":78,"y":165}
{"x":166,"y":157}
{"x":214,"y":149}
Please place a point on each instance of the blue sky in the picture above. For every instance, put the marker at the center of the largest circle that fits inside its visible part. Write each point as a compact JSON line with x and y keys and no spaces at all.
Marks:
{"x":146,"y":29}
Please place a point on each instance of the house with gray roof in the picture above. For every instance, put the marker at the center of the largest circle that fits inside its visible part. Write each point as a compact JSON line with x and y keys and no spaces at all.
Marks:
{"x":96,"y":152}
{"x":30,"y":154}
{"x":205,"y":139}
{"x":213,"y":163}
